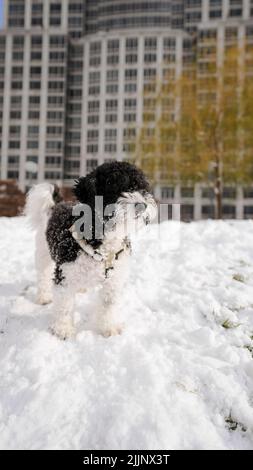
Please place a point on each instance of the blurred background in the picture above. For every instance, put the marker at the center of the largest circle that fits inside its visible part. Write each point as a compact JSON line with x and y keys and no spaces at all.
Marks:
{"x":166,"y":84}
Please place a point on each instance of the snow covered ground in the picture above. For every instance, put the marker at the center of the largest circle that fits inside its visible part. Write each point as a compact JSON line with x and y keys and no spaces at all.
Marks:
{"x":179,"y":377}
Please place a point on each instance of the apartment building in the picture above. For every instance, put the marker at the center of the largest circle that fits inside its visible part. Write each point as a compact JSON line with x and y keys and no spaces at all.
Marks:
{"x":76,"y":77}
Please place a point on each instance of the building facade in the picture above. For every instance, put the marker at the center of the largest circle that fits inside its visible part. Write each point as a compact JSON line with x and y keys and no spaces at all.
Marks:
{"x":77,"y":76}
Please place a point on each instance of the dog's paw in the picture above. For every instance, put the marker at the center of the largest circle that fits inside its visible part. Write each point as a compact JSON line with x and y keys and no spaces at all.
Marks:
{"x":113,"y":330}
{"x":62,"y":332}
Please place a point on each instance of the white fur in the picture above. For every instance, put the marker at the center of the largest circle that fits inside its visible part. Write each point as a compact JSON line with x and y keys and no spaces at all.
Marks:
{"x":38,"y":207}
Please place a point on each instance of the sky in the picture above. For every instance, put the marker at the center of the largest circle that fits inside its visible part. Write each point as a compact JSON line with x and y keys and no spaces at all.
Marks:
{"x":1,"y":12}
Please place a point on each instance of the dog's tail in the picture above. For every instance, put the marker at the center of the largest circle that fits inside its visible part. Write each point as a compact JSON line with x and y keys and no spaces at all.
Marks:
{"x":39,"y":203}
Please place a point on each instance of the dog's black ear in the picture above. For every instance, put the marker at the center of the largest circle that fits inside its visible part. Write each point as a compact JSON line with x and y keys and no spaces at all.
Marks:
{"x":85,"y":189}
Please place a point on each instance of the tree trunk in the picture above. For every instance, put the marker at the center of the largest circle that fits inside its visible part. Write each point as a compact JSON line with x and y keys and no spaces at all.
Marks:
{"x":218,"y":190}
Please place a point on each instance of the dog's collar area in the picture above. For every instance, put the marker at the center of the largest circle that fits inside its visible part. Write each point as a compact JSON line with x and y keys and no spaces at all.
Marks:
{"x":108,"y":258}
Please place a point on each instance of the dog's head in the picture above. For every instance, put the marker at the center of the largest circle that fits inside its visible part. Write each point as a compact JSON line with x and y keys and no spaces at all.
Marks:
{"x":125,"y":194}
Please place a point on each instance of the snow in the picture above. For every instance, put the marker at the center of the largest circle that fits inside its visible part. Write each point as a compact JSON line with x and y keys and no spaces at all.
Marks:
{"x":179,"y":377}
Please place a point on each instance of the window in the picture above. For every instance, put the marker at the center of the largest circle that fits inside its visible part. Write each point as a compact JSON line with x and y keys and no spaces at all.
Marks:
{"x":208,"y":212}
{"x":36,"y":56}
{"x":36,"y":42}
{"x":229,"y":193}
{"x":37,"y":21}
{"x":94,"y":77}
{"x":33,"y":144}
{"x":231,"y":33}
{"x":131,"y":44}
{"x":54,"y":116}
{"x":54,"y":130}
{"x":55,"y":14}
{"x":149,"y":58}
{"x":57,"y":41}
{"x":112,"y":75}
{"x":248,"y":193}
{"x":33,"y":115}
{"x":35,"y":72}
{"x":15,"y":114}
{"x":131,"y":58}
{"x":167,"y":193}
{"x":15,"y":130}
{"x":17,"y":71}
{"x":16,"y":85}
{"x":229,"y":212}
{"x":91,"y":165}
{"x":92,"y":148}
{"x":18,"y":42}
{"x":13,"y":175}
{"x":169,"y":43}
{"x":76,"y":7}
{"x":130,"y":74}
{"x":113,"y":46}
{"x":150,"y":43}
{"x":110,"y":148}
{"x":93,"y":106}
{"x":110,"y":135}
{"x":33,"y":131}
{"x":92,"y":135}
{"x":32,"y":158}
{"x":248,"y":212}
{"x":95,"y":61}
{"x":94,"y":90}
{"x":149,"y":74}
{"x":187,"y":212}
{"x":14,"y":144}
{"x":129,"y":117}
{"x":130,"y":103}
{"x":56,"y":56}
{"x":187,"y":192}
{"x":93,"y":119}
{"x":111,"y":105}
{"x":54,"y":146}
{"x":35,"y":85}
{"x":18,"y":56}
{"x":111,"y":118}
{"x":129,"y":133}
{"x":13,"y":160}
{"x":57,"y":71}
{"x":112,"y":60}
{"x":53,"y":175}
{"x":130,"y":88}
{"x":53,"y":161}
{"x":54,"y":101}
{"x":95,"y":48}
{"x":34,"y":101}
{"x":215,"y":14}
{"x":111,"y":89}
{"x":56,"y":87}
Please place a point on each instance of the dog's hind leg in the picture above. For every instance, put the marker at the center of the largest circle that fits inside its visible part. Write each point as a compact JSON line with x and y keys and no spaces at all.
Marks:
{"x":45,"y":269}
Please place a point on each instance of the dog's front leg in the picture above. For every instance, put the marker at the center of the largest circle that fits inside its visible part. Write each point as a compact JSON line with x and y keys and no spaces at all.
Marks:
{"x":63,"y":311}
{"x":109,"y":317}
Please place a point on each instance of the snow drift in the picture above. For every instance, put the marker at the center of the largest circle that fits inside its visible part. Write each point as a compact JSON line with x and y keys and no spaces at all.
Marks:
{"x":179,"y":377}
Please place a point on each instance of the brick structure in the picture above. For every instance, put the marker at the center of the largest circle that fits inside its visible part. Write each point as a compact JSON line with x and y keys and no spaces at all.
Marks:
{"x":12,"y":200}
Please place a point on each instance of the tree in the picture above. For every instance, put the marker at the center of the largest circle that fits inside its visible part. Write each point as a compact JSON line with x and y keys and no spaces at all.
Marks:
{"x":203,"y":128}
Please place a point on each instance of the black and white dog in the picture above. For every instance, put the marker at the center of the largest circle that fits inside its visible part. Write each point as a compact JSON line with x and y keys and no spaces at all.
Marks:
{"x":86,"y":245}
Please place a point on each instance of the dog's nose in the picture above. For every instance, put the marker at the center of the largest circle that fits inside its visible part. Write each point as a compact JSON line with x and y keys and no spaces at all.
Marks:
{"x":140,"y":208}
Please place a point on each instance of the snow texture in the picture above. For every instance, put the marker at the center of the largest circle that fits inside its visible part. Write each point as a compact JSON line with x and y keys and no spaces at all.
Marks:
{"x":179,"y":377}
